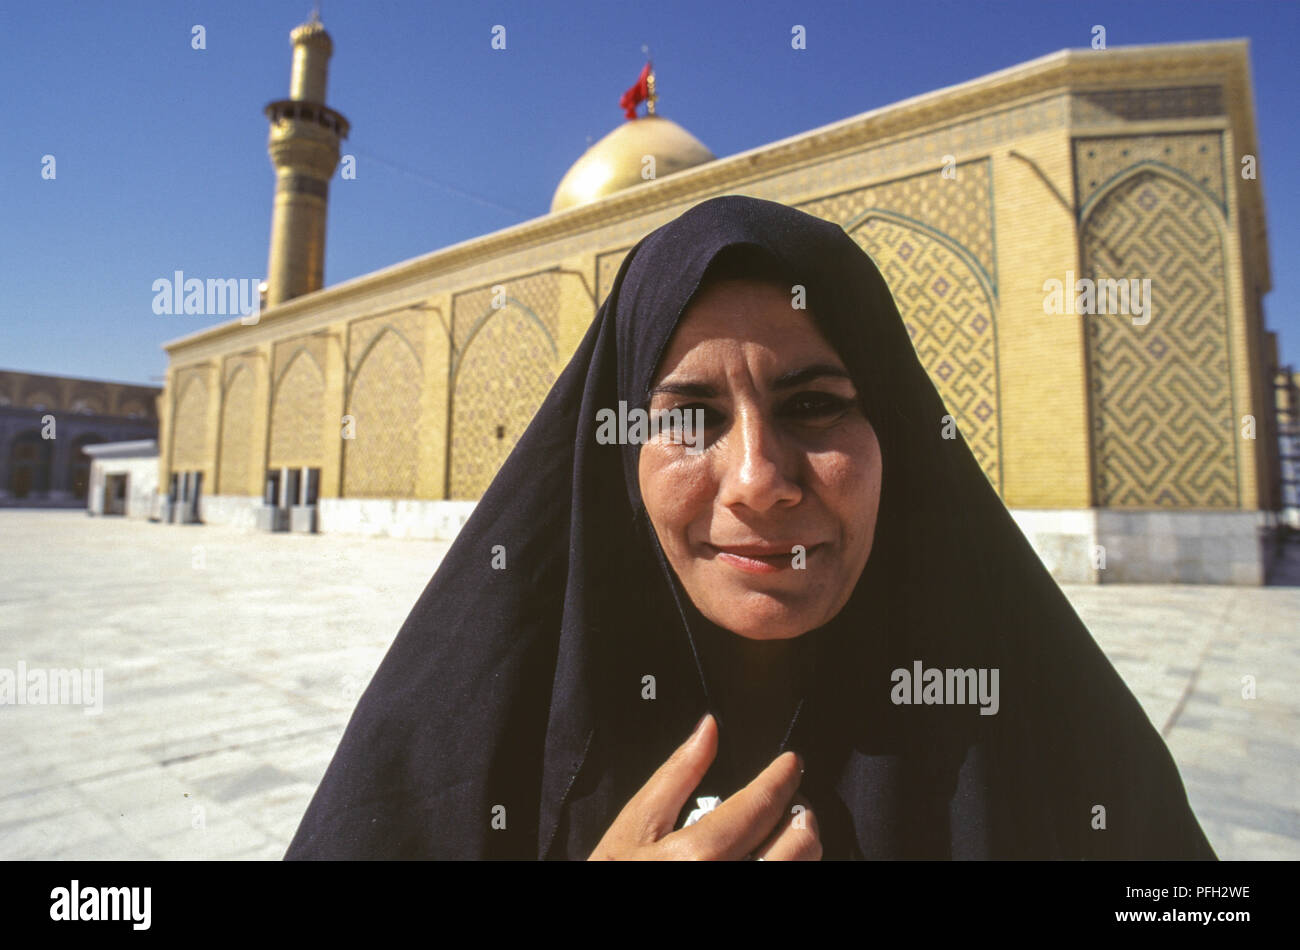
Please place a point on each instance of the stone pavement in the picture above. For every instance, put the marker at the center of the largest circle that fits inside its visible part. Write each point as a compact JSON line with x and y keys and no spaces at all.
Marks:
{"x":231,"y":663}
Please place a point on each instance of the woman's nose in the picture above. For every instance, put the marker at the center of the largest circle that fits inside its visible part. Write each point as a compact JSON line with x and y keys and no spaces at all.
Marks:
{"x":759,"y":470}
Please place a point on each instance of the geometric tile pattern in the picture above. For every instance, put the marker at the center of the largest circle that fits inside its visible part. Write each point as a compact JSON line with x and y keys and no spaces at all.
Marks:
{"x":963,"y":138}
{"x":236,"y":443}
{"x":1105,"y":106}
{"x":1197,"y":155}
{"x":949,"y":316}
{"x":380,"y":458}
{"x":988,"y":131}
{"x":1161,"y":399}
{"x":296,"y":423}
{"x":538,"y":293}
{"x":500,"y":354}
{"x":607,"y":265}
{"x":494,"y":402}
{"x":190,"y":442}
{"x":409,"y":324}
{"x":503,"y":365}
{"x":286,"y":350}
{"x":958,"y":207}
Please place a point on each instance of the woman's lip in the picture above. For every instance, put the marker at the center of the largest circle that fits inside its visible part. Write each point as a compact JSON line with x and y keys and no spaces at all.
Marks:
{"x":759,"y":559}
{"x":755,"y":550}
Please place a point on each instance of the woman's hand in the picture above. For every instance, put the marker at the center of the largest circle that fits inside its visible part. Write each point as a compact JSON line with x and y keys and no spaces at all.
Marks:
{"x":763,"y":818}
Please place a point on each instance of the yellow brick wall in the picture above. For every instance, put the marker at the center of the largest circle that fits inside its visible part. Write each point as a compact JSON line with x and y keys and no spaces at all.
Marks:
{"x":1041,"y":357}
{"x":384,"y":405}
{"x":428,"y":356}
{"x":431,"y":451}
{"x":192,"y":448}
{"x":297,"y":420}
{"x":237,"y":417}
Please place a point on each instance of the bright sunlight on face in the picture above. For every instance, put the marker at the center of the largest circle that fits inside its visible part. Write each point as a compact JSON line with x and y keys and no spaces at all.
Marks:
{"x":770,"y":526}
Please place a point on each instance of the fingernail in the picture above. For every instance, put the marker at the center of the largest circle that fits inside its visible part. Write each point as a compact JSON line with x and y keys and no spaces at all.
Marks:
{"x":798,"y":760}
{"x":699,"y":725}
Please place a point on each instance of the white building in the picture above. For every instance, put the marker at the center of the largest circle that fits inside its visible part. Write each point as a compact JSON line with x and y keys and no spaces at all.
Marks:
{"x":124,"y":479}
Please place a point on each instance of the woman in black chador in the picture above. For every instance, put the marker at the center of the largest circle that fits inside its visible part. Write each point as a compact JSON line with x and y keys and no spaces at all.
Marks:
{"x":790,"y":549}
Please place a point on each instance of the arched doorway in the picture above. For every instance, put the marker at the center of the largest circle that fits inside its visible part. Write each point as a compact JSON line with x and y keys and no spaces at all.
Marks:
{"x":950,"y":315}
{"x":1161,"y":394}
{"x":502,"y":377}
{"x":381,"y":459}
{"x":29,"y":465}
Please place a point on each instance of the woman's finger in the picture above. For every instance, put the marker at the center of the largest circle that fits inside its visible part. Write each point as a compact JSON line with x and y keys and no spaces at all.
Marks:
{"x":797,"y":836}
{"x":659,"y":801}
{"x":746,"y":819}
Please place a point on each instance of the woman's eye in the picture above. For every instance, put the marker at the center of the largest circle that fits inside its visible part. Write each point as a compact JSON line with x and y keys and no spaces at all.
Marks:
{"x":816,"y":405}
{"x":689,"y":417}
{"x":711,"y":416}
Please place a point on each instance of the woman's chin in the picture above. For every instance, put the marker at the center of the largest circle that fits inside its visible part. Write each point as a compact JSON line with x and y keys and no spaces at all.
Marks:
{"x":757,"y":616}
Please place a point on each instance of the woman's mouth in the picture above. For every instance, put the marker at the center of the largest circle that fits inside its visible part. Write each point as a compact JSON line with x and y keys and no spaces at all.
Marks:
{"x":763,"y":558}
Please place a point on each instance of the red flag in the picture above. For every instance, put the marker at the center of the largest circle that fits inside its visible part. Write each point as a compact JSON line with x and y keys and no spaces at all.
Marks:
{"x":637,"y":94}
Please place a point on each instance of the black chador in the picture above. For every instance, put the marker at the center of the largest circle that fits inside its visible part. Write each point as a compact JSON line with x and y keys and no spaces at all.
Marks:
{"x":509,"y":718}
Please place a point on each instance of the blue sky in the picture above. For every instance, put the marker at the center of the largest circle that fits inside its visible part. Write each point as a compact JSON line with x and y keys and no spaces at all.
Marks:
{"x":161,"y":149}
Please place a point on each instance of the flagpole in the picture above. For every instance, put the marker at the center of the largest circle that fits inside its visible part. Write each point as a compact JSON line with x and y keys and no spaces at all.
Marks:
{"x":649,"y":81}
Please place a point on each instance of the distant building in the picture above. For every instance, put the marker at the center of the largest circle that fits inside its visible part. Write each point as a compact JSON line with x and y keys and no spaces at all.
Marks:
{"x":46,"y":422}
{"x":1288,"y":427}
{"x":124,"y":479}
{"x":1134,"y":441}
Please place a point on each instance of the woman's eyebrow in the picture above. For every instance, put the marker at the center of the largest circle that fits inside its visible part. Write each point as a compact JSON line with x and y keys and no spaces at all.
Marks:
{"x":685,"y":388}
{"x":789,"y":380}
{"x":798,"y":377}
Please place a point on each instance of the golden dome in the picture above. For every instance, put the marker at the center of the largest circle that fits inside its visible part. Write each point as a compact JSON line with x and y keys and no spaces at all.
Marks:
{"x":615,"y":162}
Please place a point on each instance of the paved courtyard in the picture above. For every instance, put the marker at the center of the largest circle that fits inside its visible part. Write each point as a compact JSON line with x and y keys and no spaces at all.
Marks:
{"x":231,"y":663}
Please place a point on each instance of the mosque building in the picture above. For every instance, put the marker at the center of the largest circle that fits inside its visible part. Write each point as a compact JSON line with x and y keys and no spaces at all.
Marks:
{"x":51,"y":427}
{"x":1077,"y":245}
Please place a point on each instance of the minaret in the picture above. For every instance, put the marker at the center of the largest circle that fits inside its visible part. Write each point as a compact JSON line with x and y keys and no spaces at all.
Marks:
{"x":304,"y":147}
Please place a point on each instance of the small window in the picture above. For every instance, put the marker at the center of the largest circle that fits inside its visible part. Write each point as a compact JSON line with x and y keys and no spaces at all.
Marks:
{"x":292,"y":487}
{"x":311,"y":486}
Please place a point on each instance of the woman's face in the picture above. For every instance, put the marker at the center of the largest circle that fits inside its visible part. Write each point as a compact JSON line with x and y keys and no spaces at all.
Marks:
{"x":789,"y":463}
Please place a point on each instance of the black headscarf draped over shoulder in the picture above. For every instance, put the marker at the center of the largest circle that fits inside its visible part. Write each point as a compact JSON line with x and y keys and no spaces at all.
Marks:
{"x":510,"y":717}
